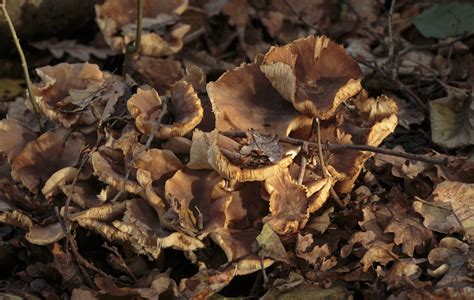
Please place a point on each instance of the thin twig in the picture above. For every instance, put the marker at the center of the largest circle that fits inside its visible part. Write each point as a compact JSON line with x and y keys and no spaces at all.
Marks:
{"x":120,"y":258}
{"x":85,"y":262}
{"x":304,"y":162}
{"x":326,"y":174}
{"x":24,"y":64}
{"x":351,"y":147}
{"x":435,"y":45}
{"x":300,"y":17}
{"x":82,"y":271}
{"x":391,"y":49}
{"x":134,"y":46}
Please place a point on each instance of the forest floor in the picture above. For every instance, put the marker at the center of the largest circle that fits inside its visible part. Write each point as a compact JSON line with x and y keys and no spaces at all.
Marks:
{"x":241,"y":149}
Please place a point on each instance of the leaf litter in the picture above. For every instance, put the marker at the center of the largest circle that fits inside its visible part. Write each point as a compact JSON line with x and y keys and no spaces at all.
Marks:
{"x":182,"y":178}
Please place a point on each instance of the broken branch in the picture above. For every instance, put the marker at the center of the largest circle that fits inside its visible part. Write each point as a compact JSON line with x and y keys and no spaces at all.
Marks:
{"x":352,"y":147}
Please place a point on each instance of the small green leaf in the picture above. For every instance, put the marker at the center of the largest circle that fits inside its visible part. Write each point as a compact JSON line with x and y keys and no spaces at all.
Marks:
{"x":444,"y":20}
{"x":271,"y":245}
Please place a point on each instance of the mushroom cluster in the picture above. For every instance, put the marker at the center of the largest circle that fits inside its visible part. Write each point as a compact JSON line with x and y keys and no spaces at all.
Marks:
{"x":159,"y":182}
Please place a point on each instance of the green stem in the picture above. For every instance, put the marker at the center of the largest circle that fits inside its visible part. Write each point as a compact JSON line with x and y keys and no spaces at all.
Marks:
{"x":24,"y":65}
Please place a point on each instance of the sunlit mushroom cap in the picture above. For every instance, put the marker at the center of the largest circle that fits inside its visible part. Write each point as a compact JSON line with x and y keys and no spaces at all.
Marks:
{"x":314,"y":73}
{"x":243,"y":99}
{"x":183,"y":113}
{"x":162,"y":33}
{"x":50,"y":152}
{"x":366,"y":121}
{"x":231,"y":160}
{"x":71,"y":94}
{"x":288,"y":204}
{"x":197,"y":196}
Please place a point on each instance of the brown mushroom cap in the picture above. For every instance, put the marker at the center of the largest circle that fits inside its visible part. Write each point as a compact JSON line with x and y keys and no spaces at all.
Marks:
{"x":155,"y":166}
{"x":109,"y":167}
{"x":117,"y":18}
{"x":313,"y":73}
{"x":68,"y":92}
{"x":170,"y":72}
{"x":243,"y":99}
{"x":197,"y":196}
{"x":50,"y":152}
{"x":184,"y":108}
{"x":14,"y":135}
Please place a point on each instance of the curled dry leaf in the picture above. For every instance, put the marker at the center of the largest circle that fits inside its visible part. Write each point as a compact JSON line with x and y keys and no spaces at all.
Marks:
{"x":14,"y":135}
{"x":184,"y":111}
{"x":314,"y":73}
{"x":314,"y":255}
{"x":41,"y":158}
{"x":162,"y":33}
{"x":76,"y":94}
{"x":238,"y":12}
{"x":71,"y":47}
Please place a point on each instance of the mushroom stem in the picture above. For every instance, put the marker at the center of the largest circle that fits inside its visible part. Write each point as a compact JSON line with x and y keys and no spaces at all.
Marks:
{"x":24,"y":65}
{"x":340,"y":147}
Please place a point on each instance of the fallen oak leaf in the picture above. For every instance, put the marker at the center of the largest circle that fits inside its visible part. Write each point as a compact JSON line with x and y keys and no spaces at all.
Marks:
{"x":379,"y":252}
{"x":409,"y":233}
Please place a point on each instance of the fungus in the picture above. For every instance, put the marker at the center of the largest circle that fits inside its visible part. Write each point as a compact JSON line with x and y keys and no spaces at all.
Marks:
{"x":41,"y":158}
{"x":162,"y":32}
{"x":184,"y":111}
{"x":14,"y":135}
{"x":76,"y":94}
{"x":313,"y":73}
